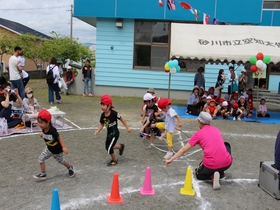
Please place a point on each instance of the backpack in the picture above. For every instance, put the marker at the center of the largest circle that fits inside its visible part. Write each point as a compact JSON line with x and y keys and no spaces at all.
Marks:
{"x":49,"y":77}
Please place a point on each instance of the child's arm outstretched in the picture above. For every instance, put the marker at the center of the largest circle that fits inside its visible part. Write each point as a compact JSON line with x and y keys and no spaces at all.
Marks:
{"x":145,"y":125}
{"x":100,"y":127}
{"x":64,"y":149}
{"x":125,"y":124}
{"x":179,"y":122}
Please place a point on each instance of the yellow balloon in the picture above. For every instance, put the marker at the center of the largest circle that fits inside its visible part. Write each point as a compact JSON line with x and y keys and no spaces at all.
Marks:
{"x":166,"y":66}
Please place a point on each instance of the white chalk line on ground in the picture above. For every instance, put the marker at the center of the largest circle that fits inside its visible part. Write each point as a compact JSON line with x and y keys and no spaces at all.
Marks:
{"x":79,"y":202}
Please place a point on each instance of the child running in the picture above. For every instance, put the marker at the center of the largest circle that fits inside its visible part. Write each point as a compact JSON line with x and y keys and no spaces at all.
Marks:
{"x":55,"y":145}
{"x":110,"y":118}
{"x":169,"y":125}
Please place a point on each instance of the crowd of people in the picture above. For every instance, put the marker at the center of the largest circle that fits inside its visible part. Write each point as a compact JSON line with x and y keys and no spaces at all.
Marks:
{"x":237,"y":104}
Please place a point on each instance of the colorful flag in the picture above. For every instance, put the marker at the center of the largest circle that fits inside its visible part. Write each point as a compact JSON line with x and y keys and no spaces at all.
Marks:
{"x":196,"y":13}
{"x":215,"y":21}
{"x":160,"y":3}
{"x":185,"y":5}
{"x":171,"y":4}
{"x":205,"y":19}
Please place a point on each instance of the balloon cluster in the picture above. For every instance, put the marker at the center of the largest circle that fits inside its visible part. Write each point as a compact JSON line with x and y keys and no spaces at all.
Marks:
{"x":259,"y":62}
{"x":172,"y":66}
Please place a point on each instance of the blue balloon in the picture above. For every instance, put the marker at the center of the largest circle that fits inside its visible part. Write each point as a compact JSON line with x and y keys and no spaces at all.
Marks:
{"x":178,"y":68}
{"x":175,"y":63}
{"x":170,"y":64}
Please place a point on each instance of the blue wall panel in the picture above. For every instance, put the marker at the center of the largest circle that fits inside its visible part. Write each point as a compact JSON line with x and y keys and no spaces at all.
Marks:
{"x":276,"y":18}
{"x":224,"y":10}
{"x":94,"y":8}
{"x":266,"y":18}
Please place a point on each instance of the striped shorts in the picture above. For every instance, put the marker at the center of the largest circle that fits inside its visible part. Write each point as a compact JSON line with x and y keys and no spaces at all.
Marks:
{"x":110,"y":143}
{"x":46,"y":154}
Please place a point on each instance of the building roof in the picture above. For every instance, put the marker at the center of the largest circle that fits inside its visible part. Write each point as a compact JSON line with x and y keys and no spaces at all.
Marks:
{"x":20,"y":29}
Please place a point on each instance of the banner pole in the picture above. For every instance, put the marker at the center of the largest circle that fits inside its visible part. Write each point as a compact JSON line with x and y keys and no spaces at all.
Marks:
{"x":169,"y":81}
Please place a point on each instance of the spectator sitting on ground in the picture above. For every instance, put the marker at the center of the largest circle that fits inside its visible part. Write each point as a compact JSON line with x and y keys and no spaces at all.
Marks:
{"x":242,"y":104}
{"x":208,"y":99}
{"x":211,"y":91}
{"x":201,"y":103}
{"x":212,"y":109}
{"x":250,"y":99}
{"x":192,"y":102}
{"x":234,"y":98}
{"x":30,"y":103}
{"x":262,"y":110}
{"x":225,"y":111}
{"x":235,"y":111}
{"x":7,"y":96}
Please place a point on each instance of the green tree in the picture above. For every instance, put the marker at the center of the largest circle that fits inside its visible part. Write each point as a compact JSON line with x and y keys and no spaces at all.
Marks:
{"x":6,"y":45}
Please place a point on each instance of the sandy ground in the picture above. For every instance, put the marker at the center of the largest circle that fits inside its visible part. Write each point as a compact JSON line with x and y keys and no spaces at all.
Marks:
{"x":251,"y":143}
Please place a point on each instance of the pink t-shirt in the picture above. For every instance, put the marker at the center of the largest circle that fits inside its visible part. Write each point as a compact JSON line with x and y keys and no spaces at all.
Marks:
{"x":215,"y":153}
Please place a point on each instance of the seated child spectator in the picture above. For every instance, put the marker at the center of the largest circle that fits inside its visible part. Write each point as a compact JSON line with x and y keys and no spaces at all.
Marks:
{"x":250,"y":99}
{"x":211,"y":92}
{"x":234,"y":98}
{"x":243,"y":105}
{"x":201,"y":103}
{"x":29,"y":103}
{"x":262,"y":110}
{"x":225,"y":111}
{"x":235,"y":111}
{"x":152,"y":111}
{"x":200,"y":92}
{"x":208,"y":99}
{"x":212,"y":109}
{"x":169,"y":125}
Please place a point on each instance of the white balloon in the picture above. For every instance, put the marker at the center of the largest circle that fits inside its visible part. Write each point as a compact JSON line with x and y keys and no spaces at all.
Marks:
{"x":263,"y":68}
{"x":259,"y":64}
{"x":172,"y":70}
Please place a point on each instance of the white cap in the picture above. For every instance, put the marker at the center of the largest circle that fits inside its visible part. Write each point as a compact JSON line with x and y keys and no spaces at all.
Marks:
{"x":225,"y":103}
{"x":205,"y":118}
{"x":209,"y":97}
{"x":204,"y":96}
{"x":148,"y":97}
{"x":69,"y":67}
{"x":245,"y":95}
{"x":242,"y":97}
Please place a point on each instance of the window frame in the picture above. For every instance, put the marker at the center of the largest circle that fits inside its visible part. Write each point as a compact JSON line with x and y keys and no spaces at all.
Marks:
{"x":151,"y":44}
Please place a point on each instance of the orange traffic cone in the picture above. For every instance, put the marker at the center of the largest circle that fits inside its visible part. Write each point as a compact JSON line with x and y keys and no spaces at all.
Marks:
{"x":187,"y":189}
{"x":115,"y":191}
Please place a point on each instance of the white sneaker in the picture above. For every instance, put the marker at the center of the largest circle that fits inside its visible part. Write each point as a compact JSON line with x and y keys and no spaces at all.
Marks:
{"x":233,"y":118}
{"x":162,"y":136}
{"x":238,"y":118}
{"x":167,"y":156}
{"x":151,"y":146}
{"x":216,"y":181}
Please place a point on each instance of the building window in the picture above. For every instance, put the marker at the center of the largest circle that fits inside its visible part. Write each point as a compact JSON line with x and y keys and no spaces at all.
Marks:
{"x":274,"y":69}
{"x":271,"y":5}
{"x":189,"y":65}
{"x":151,"y":44}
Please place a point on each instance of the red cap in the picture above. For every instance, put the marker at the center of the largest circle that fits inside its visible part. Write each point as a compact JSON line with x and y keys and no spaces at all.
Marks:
{"x":45,"y":114}
{"x":211,"y":88}
{"x":212,"y":100}
{"x":235,"y":94}
{"x":217,"y":99}
{"x":107,"y":100}
{"x":235,"y":105}
{"x":221,"y":100}
{"x":163,"y":102}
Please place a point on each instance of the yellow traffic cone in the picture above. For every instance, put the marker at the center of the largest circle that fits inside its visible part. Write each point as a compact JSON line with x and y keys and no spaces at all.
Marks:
{"x":187,"y":189}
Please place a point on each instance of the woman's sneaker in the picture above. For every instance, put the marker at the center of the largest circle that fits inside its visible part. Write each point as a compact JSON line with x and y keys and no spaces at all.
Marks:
{"x":41,"y":176}
{"x":216,"y":181}
{"x":71,"y":171}
{"x":112,"y":163}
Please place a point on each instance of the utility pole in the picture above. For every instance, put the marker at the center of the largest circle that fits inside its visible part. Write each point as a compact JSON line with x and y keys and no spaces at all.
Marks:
{"x":71,"y":21}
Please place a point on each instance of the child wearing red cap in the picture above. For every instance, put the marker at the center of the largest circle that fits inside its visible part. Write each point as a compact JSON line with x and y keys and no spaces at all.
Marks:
{"x":212,"y":109}
{"x":235,"y":111}
{"x":55,"y":145}
{"x":109,"y":118}
{"x":169,"y":125}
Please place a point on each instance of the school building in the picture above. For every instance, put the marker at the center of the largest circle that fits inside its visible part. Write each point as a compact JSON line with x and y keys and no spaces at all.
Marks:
{"x":134,"y":40}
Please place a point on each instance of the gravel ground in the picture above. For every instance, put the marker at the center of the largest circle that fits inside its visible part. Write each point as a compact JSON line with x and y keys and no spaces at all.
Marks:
{"x":251,"y":143}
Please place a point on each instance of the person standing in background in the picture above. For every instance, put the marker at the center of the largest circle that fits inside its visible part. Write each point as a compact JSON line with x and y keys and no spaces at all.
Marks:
{"x":199,"y":79}
{"x":86,"y":78}
{"x":242,"y":81}
{"x":232,"y":78}
{"x":15,"y":71}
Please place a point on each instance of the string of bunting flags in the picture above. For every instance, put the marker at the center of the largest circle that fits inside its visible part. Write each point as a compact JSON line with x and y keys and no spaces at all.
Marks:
{"x":171,"y":5}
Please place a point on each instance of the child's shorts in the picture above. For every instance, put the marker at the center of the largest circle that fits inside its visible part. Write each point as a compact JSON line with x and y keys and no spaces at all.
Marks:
{"x":110,"y":143}
{"x":160,"y":125}
{"x":169,"y":137}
